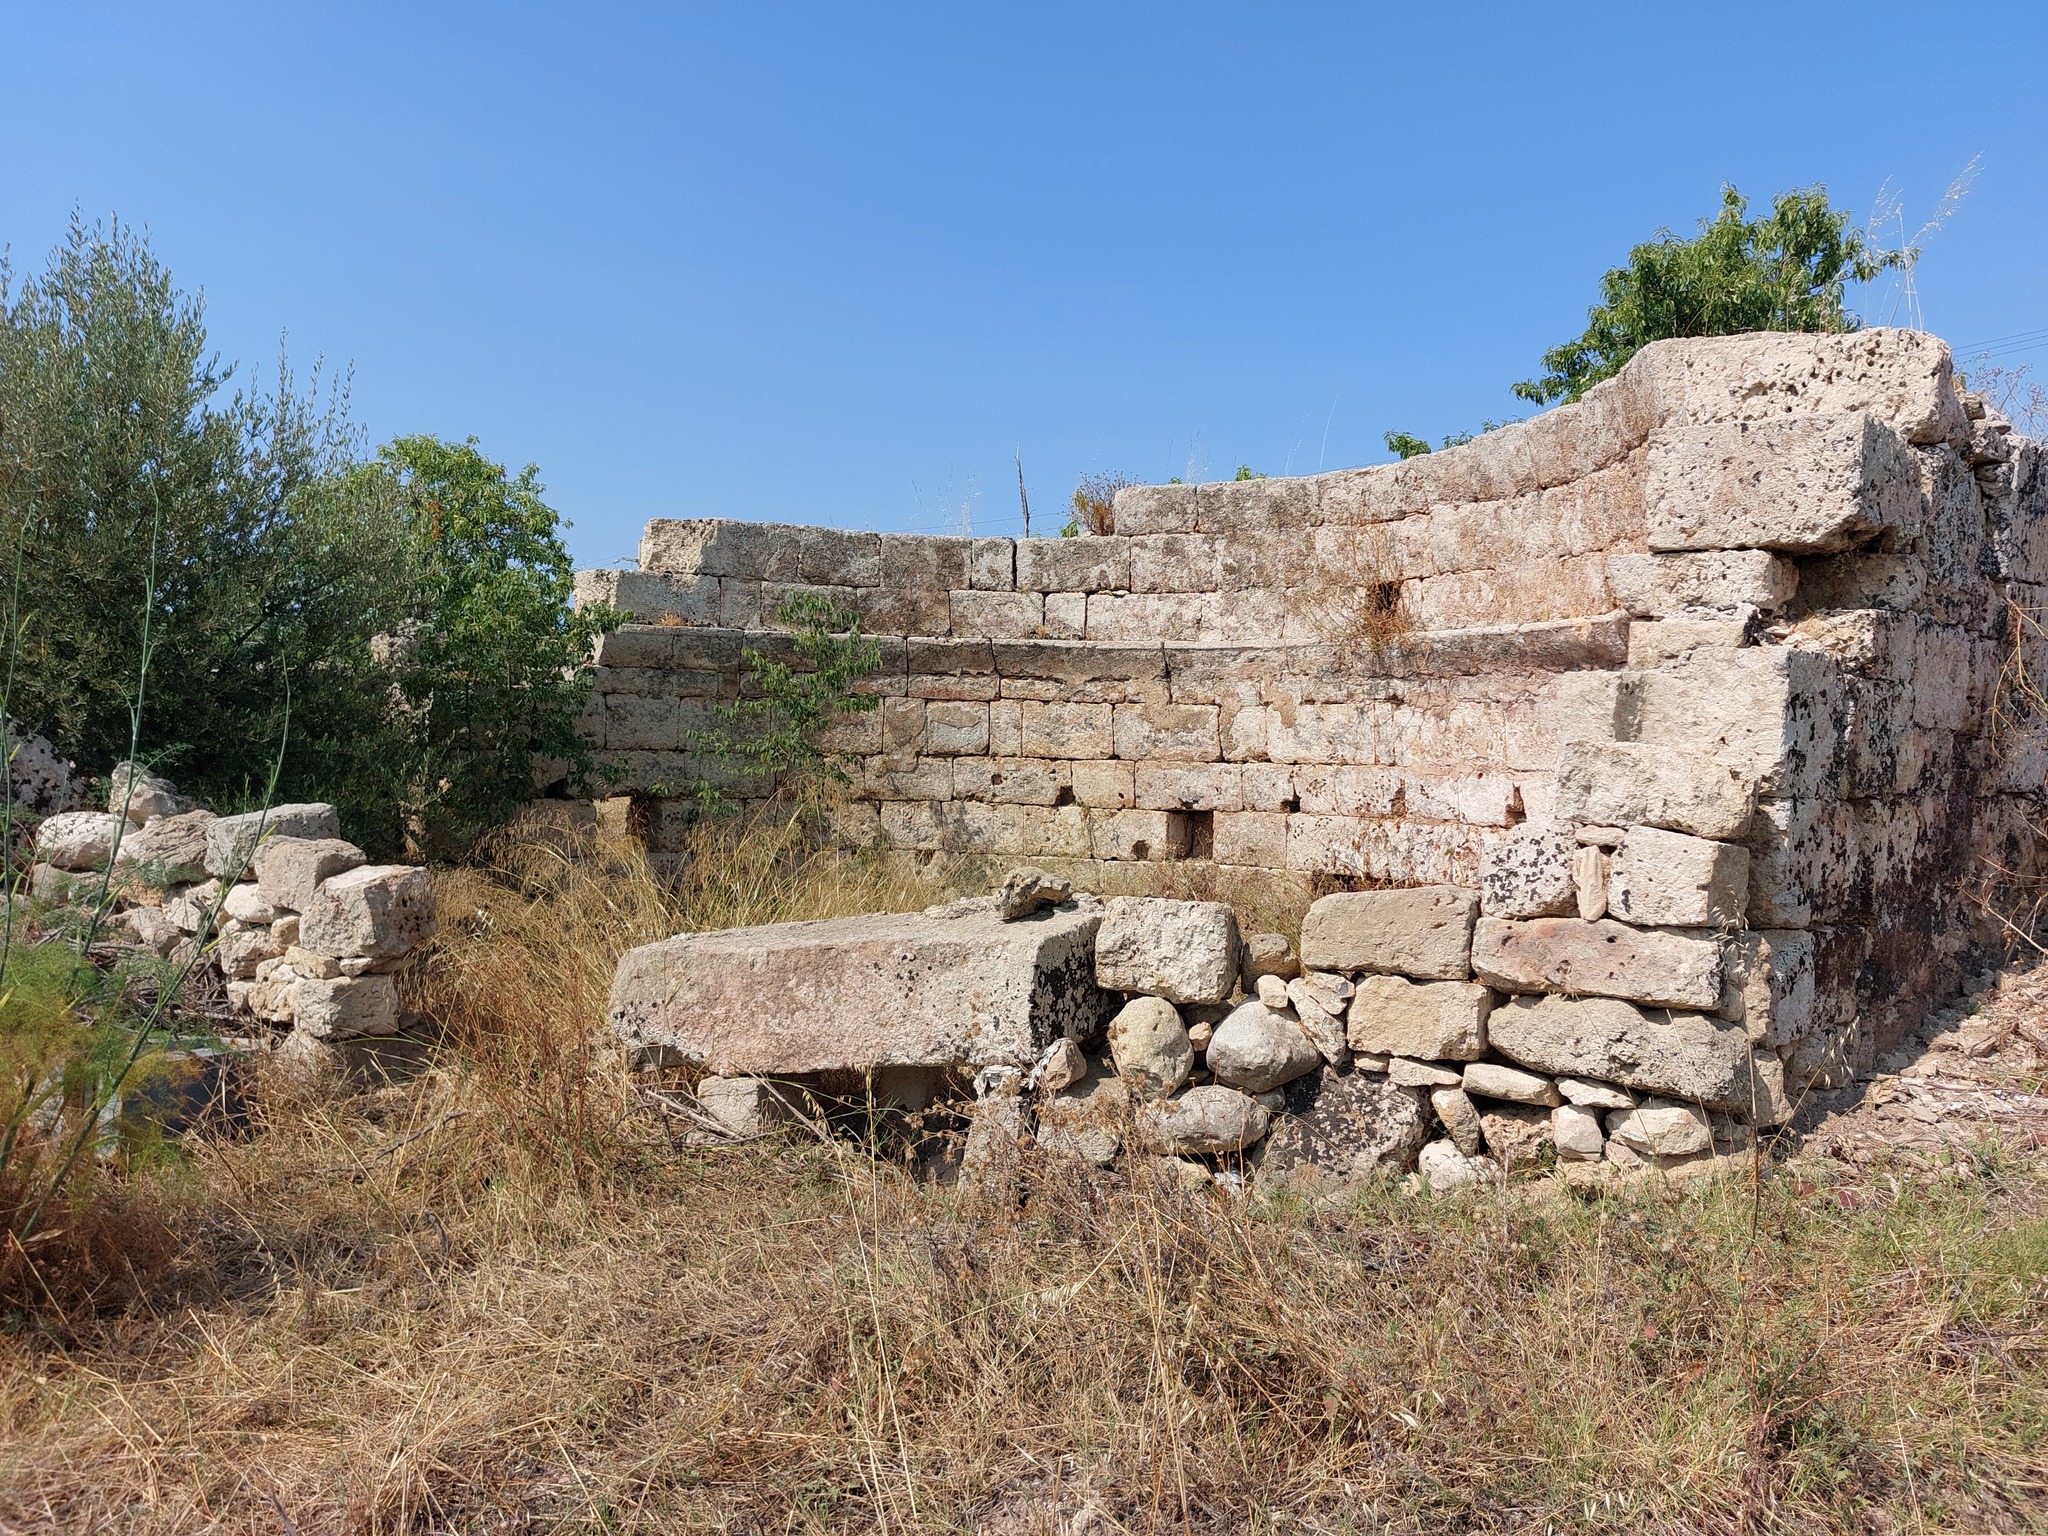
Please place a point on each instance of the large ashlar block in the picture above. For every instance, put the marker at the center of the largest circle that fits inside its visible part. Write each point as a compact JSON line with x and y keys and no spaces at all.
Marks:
{"x":717,"y":546}
{"x":1690,"y":1056}
{"x":1772,"y":713}
{"x":345,"y":1008}
{"x":1718,"y":581}
{"x":648,"y":595}
{"x":1635,"y":783}
{"x":1803,"y":861}
{"x":864,"y":992}
{"x":1528,"y":873}
{"x":1667,"y":879}
{"x":1598,"y":959}
{"x":1768,"y":985}
{"x":231,"y":840}
{"x":1085,"y":564}
{"x":289,"y":869}
{"x":1424,"y":933}
{"x":1425,"y":1020}
{"x":1183,"y":951}
{"x":1809,"y":485}
{"x":375,"y":910}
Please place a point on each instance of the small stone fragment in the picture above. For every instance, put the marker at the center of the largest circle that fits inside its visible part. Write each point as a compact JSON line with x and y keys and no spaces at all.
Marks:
{"x":1200,"y":1033}
{"x":1591,"y":1095}
{"x":1087,"y":1119}
{"x":1488,"y":1079}
{"x":1444,"y":1168}
{"x":1062,"y":1065}
{"x":1516,"y":1134}
{"x":1026,"y":889}
{"x":1661,"y":1128}
{"x":1150,"y":1047}
{"x":745,"y":1106}
{"x":1460,"y":1118}
{"x":305,"y":963}
{"x":1205,"y":1121}
{"x":1272,"y":991}
{"x":1590,"y":870}
{"x":245,"y":904}
{"x":1333,"y":993}
{"x":1323,"y":1026}
{"x":1257,"y":1048}
{"x":141,"y":796}
{"x":1269,"y":954}
{"x":1410,"y":1073}
{"x":1577,"y":1132}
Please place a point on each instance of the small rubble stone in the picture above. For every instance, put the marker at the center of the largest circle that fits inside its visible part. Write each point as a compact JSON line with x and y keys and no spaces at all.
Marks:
{"x":1460,"y":1119}
{"x":1063,"y":1064}
{"x":1516,"y":1134}
{"x":1591,"y":868}
{"x":1425,"y":932}
{"x":171,"y":850}
{"x":1201,"y":1032}
{"x":289,"y":869}
{"x":1590,"y":1095}
{"x":1444,"y":1168}
{"x":1026,"y":889}
{"x":1430,"y":1020}
{"x":343,"y":1008}
{"x":159,"y":934}
{"x":1661,"y":1128}
{"x":245,"y":904}
{"x":1272,"y":991}
{"x":1768,"y":985}
{"x":305,"y":963}
{"x":141,"y":796}
{"x":1410,"y":1073}
{"x":1205,"y":1121}
{"x":1341,"y":1127}
{"x":1269,"y":954}
{"x":1672,"y":879}
{"x":285,"y":931}
{"x":1150,"y":1047}
{"x":1486,"y":1079}
{"x":64,"y":887}
{"x":1323,"y":1026}
{"x":1257,"y":1048}
{"x":1087,"y":1119}
{"x":1333,"y":993}
{"x":231,"y":840}
{"x":1527,"y":872}
{"x":1183,"y":951}
{"x":745,"y":1106}
{"x":1576,"y":1130}
{"x":993,"y":1156}
{"x":377,"y":910}
{"x":76,"y":840}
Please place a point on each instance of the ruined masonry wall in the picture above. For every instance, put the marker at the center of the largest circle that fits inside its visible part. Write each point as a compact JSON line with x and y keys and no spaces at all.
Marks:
{"x":1791,"y":557}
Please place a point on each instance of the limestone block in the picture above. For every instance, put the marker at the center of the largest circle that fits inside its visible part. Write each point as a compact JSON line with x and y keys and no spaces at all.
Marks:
{"x":1808,"y":485}
{"x":1105,"y":786}
{"x":1660,"y":1128}
{"x":1692,"y":1056}
{"x":1774,"y":1102}
{"x":1174,"y":562}
{"x":1066,"y":615}
{"x":1527,"y":872}
{"x":1669,"y":879}
{"x":1490,"y":1080}
{"x":1576,"y":1132}
{"x":889,"y":610}
{"x":1720,"y":581}
{"x":1592,"y":706}
{"x":1384,"y":853}
{"x":1410,"y":1073}
{"x":1432,"y":1020}
{"x":1252,"y":839}
{"x":1150,"y":1046}
{"x":1654,"y":643}
{"x":1460,"y":1119}
{"x":1257,"y":1049}
{"x":1184,"y":951}
{"x":955,"y":729}
{"x":745,"y":1106}
{"x":377,"y":910}
{"x":1328,"y":733}
{"x":840,"y":555}
{"x":1349,"y":789}
{"x":245,"y":904}
{"x":1084,"y":564}
{"x":1319,"y":1012}
{"x":992,"y":565}
{"x":1481,"y":799}
{"x":1210,"y":1121}
{"x":1155,"y":509}
{"x":141,"y":796}
{"x":1252,"y":506}
{"x":345,"y":1008}
{"x":721,"y":547}
{"x":231,"y":840}
{"x":1159,"y":616}
{"x":1009,"y":780}
{"x":1772,"y":713}
{"x":1185,"y":731}
{"x":1140,"y":836}
{"x":920,"y":562}
{"x":1603,"y":959}
{"x":1803,"y":861}
{"x":1066,"y":730}
{"x":1272,"y":991}
{"x":1633,"y":783}
{"x":170,"y":850}
{"x":1768,"y":986}
{"x":77,"y":840}
{"x":1424,"y":933}
{"x":1340,"y":1128}
{"x":854,"y":993}
{"x":1590,"y":1095}
{"x":239,"y":953}
{"x":1269,"y":954}
{"x":649,"y":595}
{"x":996,"y":615}
{"x":1190,"y":786}
{"x":1270,"y":787}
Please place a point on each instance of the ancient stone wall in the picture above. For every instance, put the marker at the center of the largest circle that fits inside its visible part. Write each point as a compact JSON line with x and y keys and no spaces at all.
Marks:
{"x":1715,"y":651}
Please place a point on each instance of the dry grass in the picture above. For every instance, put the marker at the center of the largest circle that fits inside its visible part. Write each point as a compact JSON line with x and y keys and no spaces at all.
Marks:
{"x":1352,"y":594}
{"x":1094,"y":502}
{"x":502,"y":1298}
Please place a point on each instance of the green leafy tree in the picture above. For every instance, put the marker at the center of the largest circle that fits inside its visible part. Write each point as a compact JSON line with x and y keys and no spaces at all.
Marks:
{"x":1786,"y":271}
{"x":1405,"y":445}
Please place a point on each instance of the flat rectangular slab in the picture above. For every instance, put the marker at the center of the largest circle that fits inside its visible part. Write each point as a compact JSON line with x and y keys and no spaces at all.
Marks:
{"x":855,"y":993}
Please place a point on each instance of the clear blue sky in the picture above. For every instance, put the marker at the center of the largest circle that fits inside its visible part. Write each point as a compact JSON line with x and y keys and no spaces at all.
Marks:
{"x":838,"y":263}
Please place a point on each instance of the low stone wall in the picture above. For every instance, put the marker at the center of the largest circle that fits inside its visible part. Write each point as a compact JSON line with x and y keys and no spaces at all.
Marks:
{"x":1793,"y":563}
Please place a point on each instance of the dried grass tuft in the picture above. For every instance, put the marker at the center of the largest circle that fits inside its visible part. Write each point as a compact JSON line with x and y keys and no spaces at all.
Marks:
{"x":1353,"y":593}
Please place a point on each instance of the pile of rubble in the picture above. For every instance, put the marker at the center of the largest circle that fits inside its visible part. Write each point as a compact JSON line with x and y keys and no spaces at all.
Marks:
{"x":306,"y":932}
{"x":1410,"y":1032}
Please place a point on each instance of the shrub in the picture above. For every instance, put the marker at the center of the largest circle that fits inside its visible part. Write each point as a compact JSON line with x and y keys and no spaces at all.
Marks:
{"x":1095,"y":505}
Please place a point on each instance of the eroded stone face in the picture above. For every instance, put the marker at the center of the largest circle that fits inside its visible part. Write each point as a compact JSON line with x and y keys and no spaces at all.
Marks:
{"x":1603,"y":959}
{"x":1341,"y":1127}
{"x":910,"y":990}
{"x":1691,"y":1056}
{"x":1425,"y":933}
{"x":1183,"y":951}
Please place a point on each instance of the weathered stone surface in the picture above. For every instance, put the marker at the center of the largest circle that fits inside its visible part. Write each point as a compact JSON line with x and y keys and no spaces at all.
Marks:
{"x":1516,"y":1134}
{"x":1459,"y":1117}
{"x":1257,"y":1049}
{"x":1661,"y":1128}
{"x":1183,"y":951}
{"x":1342,"y":1127}
{"x":1724,"y":581}
{"x":1603,"y":959}
{"x":1410,"y":1073}
{"x":992,"y":1159}
{"x":1150,"y":1047}
{"x":1026,"y":889}
{"x":1772,"y":713}
{"x":1062,"y":1064}
{"x":1425,"y":933}
{"x":869,"y":991}
{"x":38,"y":777}
{"x":239,"y":954}
{"x":245,"y":904}
{"x":1270,"y":954}
{"x":1272,"y":991}
{"x":1490,"y":1080}
{"x":1691,"y":1056}
{"x":745,"y":1106}
{"x":231,"y":840}
{"x":305,"y":963}
{"x":171,"y":850}
{"x":1591,"y":868}
{"x":1527,"y":872}
{"x":1768,"y":985}
{"x":378,"y":910}
{"x":1653,"y":644}
{"x":1323,"y":1025}
{"x":1670,"y":879}
{"x":141,"y":796}
{"x":289,"y":869}
{"x":345,"y":1007}
{"x":1444,"y":1168}
{"x":1088,"y":1119}
{"x":1576,"y":1131}
{"x":1633,"y":783}
{"x":1591,"y":1095}
{"x":1804,"y":486}
{"x":1208,"y":1121}
{"x":1430,"y":1020}
{"x":77,"y":840}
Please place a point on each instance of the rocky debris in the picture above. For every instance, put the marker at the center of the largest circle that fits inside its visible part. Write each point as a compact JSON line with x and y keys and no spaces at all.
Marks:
{"x":1589,"y":1095}
{"x":374,"y":910}
{"x":170,"y":850}
{"x":1026,"y":889}
{"x":231,"y":840}
{"x":1063,"y":1064}
{"x":1088,"y":1119}
{"x":1425,"y":932}
{"x":1258,"y":1048}
{"x":245,"y":904}
{"x":1150,"y":1047}
{"x":1311,"y":998}
{"x":159,"y":935}
{"x":140,"y":796}
{"x":1444,"y":1168}
{"x":343,"y":1008}
{"x":1576,"y":1132}
{"x":1183,"y":951}
{"x":745,"y":1106}
{"x":1459,"y":1117}
{"x":289,"y":869}
{"x":1527,"y":872}
{"x":1662,"y":1128}
{"x":1693,"y":1056}
{"x":1272,"y":991}
{"x":1431,"y":1020}
{"x":818,"y":997}
{"x":1269,"y":954}
{"x":1339,"y":1127}
{"x":77,"y":840}
{"x":1206,"y":1121}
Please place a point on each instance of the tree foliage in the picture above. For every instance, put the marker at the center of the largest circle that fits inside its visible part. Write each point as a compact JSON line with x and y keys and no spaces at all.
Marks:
{"x":1786,"y":271}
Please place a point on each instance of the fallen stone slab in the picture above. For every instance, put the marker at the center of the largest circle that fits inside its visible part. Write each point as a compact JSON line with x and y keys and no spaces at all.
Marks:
{"x":1490,"y":1080}
{"x":860,"y":992}
{"x":1690,"y":1056}
{"x":1603,"y":959}
{"x":1424,"y":932}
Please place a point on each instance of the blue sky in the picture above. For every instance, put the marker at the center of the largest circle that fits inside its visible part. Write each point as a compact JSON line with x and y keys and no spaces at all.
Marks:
{"x":838,"y":264}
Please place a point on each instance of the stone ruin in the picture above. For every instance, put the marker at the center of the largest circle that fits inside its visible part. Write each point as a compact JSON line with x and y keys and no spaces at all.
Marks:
{"x":1702,"y":703}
